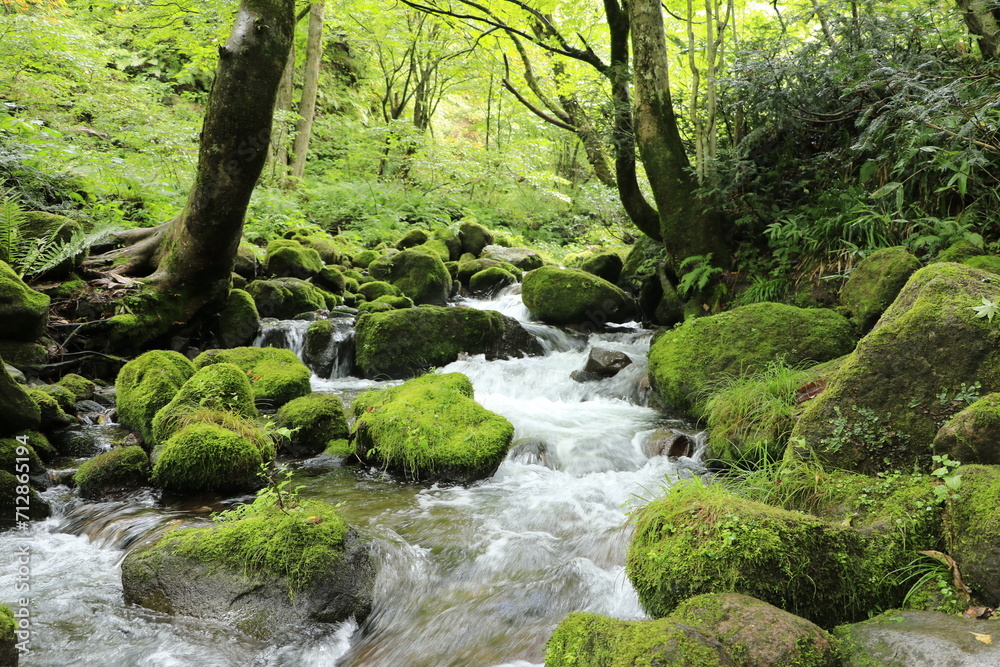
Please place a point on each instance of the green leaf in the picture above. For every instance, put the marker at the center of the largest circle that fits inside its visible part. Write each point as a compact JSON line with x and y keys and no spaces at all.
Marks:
{"x":987,"y":310}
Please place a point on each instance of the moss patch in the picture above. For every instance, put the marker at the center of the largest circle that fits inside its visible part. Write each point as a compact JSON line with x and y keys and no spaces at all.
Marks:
{"x":121,"y":469}
{"x":79,"y":386}
{"x":207,"y":457}
{"x":276,"y":375}
{"x":874,"y":284}
{"x":221,"y":386}
{"x":146,"y":384}
{"x":571,"y":296}
{"x":317,"y":419}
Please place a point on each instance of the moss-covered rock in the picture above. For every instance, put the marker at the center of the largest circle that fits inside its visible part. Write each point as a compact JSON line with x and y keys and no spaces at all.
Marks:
{"x":474,"y":237}
{"x":364,"y":258}
{"x":81,"y":388}
{"x":18,"y":410}
{"x":376,"y":288}
{"x":959,"y":252}
{"x":412,"y":238}
{"x":63,"y":396}
{"x":284,"y":298}
{"x":221,"y":386}
{"x":41,"y":444}
{"x":525,"y":259}
{"x":607,"y":265}
{"x":239,"y":320}
{"x":698,"y":539}
{"x":331,"y":279}
{"x":8,"y":640}
{"x":470,"y":267}
{"x":291,"y":259}
{"x":13,"y":491}
{"x":419,"y":274}
{"x":203,"y":457}
{"x":23,"y":311}
{"x":972,"y":529}
{"x":121,"y":469}
{"x":52,"y":414}
{"x":430,"y":428}
{"x":21,"y":457}
{"x":315,"y":420}
{"x":883,"y":406}
{"x":146,"y":384}
{"x":972,"y":435}
{"x":684,"y":362}
{"x":259,"y":567}
{"x":490,"y":281}
{"x":989,"y":263}
{"x":276,"y":375}
{"x":571,"y":296}
{"x":721,"y":629}
{"x":874,"y":284}
{"x":918,"y":639}
{"x":23,"y":354}
{"x":402,"y":343}
{"x":324,"y":245}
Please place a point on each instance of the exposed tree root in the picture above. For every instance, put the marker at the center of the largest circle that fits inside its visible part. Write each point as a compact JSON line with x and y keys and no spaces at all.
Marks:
{"x":138,"y":258}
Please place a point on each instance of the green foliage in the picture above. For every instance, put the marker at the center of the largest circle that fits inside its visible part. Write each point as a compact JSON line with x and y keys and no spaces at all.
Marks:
{"x":697,"y":274}
{"x":987,"y":310}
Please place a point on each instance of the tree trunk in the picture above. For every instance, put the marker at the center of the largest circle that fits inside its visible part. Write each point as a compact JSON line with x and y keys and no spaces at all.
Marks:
{"x":983,"y":19}
{"x":687,"y":228}
{"x":192,"y":256}
{"x":279,"y":139}
{"x":310,"y":88}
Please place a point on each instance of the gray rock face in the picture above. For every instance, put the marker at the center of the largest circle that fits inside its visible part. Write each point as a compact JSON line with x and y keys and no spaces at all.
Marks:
{"x":259,"y":606}
{"x":919,"y":639}
{"x":606,"y":363}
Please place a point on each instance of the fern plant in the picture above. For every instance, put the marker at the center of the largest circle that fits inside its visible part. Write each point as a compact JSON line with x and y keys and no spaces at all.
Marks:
{"x":698,"y":272}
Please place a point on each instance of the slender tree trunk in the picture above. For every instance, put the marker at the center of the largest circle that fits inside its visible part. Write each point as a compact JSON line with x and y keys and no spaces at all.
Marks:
{"x":283,"y":102}
{"x":983,"y":19}
{"x":688,"y":229}
{"x":310,"y":89}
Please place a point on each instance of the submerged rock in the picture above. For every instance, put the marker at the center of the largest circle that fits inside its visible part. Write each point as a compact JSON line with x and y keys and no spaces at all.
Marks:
{"x":668,"y":442}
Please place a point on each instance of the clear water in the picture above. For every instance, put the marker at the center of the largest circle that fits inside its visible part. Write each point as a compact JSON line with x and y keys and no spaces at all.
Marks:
{"x":474,"y":576}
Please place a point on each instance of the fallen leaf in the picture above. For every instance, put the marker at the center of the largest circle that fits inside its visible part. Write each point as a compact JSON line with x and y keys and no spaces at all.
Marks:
{"x":953,"y":566}
{"x":314,"y":519}
{"x":810,"y":390}
{"x":986,"y":639}
{"x":977,"y":612}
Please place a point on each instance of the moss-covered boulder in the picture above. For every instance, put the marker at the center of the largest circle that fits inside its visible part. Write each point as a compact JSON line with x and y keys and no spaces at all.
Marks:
{"x":419,"y":274}
{"x":23,"y":311}
{"x":239,"y":320}
{"x":204,"y":456}
{"x":972,"y":435}
{"x":607,"y":265}
{"x":959,"y":252}
{"x":19,"y":411}
{"x":474,"y":237}
{"x":13,"y":508}
{"x":378,"y":288}
{"x":706,"y":631}
{"x":402,"y":343}
{"x":412,"y":238}
{"x":490,"y":281}
{"x":81,"y":388}
{"x":874,"y":284}
{"x":22,"y":353}
{"x":685,"y":361}
{"x":701,"y":539}
{"x":19,"y":456}
{"x":315,"y":420}
{"x":9,"y":654}
{"x":364,"y":258}
{"x":260,"y":567}
{"x":62,"y":396}
{"x":331,"y":279}
{"x":324,"y":245}
{"x":52,"y":415}
{"x":276,"y":375}
{"x":291,"y":259}
{"x":990,"y":263}
{"x":884,"y":405}
{"x":918,"y":639}
{"x":121,"y":469}
{"x":430,"y":428}
{"x":571,"y":296}
{"x":221,"y":386}
{"x":470,"y":267}
{"x":284,"y":298}
{"x":146,"y":384}
{"x":972,"y":529}
{"x":525,"y":259}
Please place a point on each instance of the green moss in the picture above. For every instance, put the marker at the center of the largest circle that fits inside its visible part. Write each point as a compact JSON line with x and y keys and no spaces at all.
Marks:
{"x":331,"y":279}
{"x":959,"y":252}
{"x":972,"y":530}
{"x":7,"y":625}
{"x":71,"y":289}
{"x":364,"y":258}
{"x":318,"y":337}
{"x":121,"y":469}
{"x":288,"y":258}
{"x":63,"y":396}
{"x":401,"y":343}
{"x":79,"y":386}
{"x":571,"y":296}
{"x":52,"y":414}
{"x":23,"y":354}
{"x":431,"y":428}
{"x":321,"y":243}
{"x":490,"y":281}
{"x":221,"y":386}
{"x":874,"y":284}
{"x":276,"y":375}
{"x":684,"y":362}
{"x":23,"y":311}
{"x":474,"y":237}
{"x":989,"y":263}
{"x":378,"y":288}
{"x":238,"y":320}
{"x":9,"y":454}
{"x":340,"y":448}
{"x":207,"y":457}
{"x":316,"y":419}
{"x":10,"y":491}
{"x":146,"y":384}
{"x":419,"y":274}
{"x":299,"y":543}
{"x":285,"y":298}
{"x":46,"y":452}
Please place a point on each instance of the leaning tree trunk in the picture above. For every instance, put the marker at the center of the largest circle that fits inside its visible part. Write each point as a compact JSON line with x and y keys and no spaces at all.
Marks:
{"x":687,"y":227}
{"x":983,"y":19}
{"x":187,"y":263}
{"x":310,"y":89}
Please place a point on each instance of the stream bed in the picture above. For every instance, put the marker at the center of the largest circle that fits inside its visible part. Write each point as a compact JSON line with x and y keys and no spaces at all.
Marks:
{"x":475,"y":576}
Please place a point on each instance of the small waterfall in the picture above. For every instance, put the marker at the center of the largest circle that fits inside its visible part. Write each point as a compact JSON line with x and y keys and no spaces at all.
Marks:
{"x":327,"y":351}
{"x":289,"y":334}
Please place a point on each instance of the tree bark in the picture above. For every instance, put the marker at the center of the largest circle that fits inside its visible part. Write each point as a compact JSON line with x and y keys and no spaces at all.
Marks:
{"x":687,"y":227}
{"x":283,"y":102}
{"x":310,"y":88}
{"x":983,"y":19}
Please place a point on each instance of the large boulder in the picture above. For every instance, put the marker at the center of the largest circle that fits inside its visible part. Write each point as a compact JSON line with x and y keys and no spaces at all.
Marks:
{"x":224,"y":456}
{"x":121,"y":469}
{"x":288,"y":258}
{"x":707,"y":630}
{"x":474,"y":237}
{"x":146,"y":384}
{"x":919,"y":639}
{"x":430,"y":428}
{"x":490,"y":281}
{"x":19,"y":411}
{"x":525,"y":259}
{"x":874,"y":284}
{"x":23,"y":311}
{"x":402,"y":343}
{"x":571,"y":296}
{"x":284,"y":298}
{"x":276,"y":375}
{"x":607,"y":265}
{"x":684,"y":362}
{"x":972,"y":527}
{"x":239,"y":320}
{"x":883,"y":407}
{"x":260,"y":567}
{"x":221,"y":386}
{"x":419,"y":274}
{"x":314,"y":420}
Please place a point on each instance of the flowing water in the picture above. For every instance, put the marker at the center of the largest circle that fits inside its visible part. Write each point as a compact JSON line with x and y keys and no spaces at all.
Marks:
{"x":475,"y":576}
